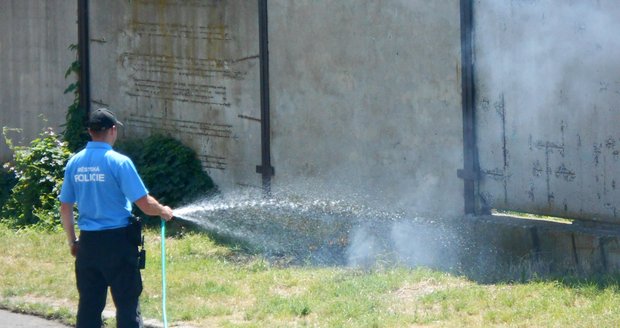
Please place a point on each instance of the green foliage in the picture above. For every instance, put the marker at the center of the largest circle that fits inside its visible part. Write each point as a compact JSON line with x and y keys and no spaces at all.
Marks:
{"x":39,"y":170}
{"x":75,"y":133}
{"x":170,"y":170}
{"x":7,"y":181}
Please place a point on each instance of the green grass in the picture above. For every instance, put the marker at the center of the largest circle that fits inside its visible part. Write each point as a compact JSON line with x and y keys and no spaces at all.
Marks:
{"x":210,"y":285}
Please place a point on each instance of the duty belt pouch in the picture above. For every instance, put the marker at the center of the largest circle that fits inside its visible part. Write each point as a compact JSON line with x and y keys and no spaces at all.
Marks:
{"x":136,"y":238}
{"x":134,"y":231}
{"x":142,"y":258}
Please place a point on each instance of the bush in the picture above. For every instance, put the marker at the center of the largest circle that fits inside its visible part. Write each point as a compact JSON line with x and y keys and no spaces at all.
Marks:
{"x":39,"y":170}
{"x":170,"y":170}
{"x":7,"y":182}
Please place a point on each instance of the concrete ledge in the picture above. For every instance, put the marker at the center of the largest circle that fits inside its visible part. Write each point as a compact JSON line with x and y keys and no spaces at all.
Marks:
{"x":543,"y":247}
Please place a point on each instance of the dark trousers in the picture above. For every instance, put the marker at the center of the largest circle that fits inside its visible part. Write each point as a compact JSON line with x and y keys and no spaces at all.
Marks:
{"x":108,"y":259}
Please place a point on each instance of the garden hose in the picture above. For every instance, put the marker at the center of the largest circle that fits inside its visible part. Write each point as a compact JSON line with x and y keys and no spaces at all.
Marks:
{"x":163,"y":273}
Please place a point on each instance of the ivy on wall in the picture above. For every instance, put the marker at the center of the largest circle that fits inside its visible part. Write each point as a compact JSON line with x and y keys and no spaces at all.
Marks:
{"x":75,"y":133}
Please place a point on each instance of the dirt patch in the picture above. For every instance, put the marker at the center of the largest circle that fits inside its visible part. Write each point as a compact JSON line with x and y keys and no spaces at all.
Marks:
{"x":423,"y":288}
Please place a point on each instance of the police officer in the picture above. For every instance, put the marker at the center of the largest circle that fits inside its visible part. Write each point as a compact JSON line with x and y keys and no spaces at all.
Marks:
{"x":104,"y":184}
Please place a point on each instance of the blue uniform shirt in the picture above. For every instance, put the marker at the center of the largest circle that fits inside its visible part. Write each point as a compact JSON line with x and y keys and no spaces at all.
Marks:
{"x":103,"y":183}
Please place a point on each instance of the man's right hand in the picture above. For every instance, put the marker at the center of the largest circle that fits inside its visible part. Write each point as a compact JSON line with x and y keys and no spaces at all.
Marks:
{"x":166,"y":213}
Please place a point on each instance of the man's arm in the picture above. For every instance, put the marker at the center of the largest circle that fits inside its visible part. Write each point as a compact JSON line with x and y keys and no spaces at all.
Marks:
{"x":150,"y":206}
{"x":66,"y":213}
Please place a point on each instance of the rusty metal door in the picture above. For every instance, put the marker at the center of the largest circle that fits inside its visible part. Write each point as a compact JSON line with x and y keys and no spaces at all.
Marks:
{"x":547,"y":81}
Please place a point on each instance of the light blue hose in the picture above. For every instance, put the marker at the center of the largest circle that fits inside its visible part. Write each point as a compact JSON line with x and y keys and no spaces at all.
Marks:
{"x":163,"y":272}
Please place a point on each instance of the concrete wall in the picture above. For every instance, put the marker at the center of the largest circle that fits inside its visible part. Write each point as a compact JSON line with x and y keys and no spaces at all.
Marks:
{"x":365,"y":99}
{"x":548,"y":90}
{"x":34,"y":56}
{"x":188,"y":69}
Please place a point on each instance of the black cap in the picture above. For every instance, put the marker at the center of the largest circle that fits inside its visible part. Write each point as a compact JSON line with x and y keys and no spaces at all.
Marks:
{"x":102,"y":119}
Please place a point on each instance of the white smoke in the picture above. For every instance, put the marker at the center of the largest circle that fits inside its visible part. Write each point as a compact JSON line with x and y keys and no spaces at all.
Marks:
{"x":413,"y":243}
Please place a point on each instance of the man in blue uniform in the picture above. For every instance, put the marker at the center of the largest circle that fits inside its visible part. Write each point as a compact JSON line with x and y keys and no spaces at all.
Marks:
{"x":104,"y":184}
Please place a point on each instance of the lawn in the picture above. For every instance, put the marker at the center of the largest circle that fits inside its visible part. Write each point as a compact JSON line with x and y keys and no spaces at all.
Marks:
{"x":215,"y":285}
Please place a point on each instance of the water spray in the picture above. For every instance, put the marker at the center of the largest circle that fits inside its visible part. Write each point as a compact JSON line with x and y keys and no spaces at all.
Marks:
{"x":315,"y":230}
{"x":310,"y":229}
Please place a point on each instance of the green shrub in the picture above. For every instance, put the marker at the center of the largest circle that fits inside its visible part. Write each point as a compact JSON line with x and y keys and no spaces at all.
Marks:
{"x":39,"y":170}
{"x":7,"y":182}
{"x":170,"y":170}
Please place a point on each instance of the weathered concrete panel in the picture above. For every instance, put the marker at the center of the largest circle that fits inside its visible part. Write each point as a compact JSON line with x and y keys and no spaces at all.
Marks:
{"x":504,"y":247}
{"x":611,"y":253}
{"x":184,"y":68}
{"x":548,"y":91}
{"x":34,"y":56}
{"x":365,"y":99}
